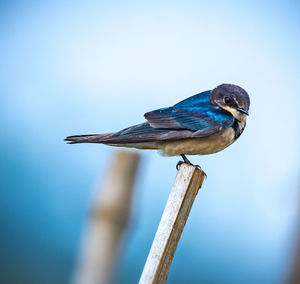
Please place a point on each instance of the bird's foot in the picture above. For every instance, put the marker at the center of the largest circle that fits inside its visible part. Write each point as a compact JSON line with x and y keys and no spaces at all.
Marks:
{"x":187,"y":161}
{"x":182,"y":162}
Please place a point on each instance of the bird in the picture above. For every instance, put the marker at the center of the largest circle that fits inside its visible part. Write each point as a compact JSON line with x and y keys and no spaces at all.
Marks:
{"x":202,"y":124}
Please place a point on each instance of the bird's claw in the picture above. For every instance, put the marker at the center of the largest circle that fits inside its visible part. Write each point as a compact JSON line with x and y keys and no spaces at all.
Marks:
{"x":198,"y":167}
{"x":179,"y":164}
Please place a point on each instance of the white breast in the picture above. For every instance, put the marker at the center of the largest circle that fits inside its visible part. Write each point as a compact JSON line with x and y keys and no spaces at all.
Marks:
{"x":199,"y":146}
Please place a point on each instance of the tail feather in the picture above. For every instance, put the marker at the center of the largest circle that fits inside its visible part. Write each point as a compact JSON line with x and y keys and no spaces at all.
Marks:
{"x":88,"y":138}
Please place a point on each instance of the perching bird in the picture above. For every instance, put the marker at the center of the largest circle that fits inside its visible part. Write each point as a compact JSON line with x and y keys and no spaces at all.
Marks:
{"x":203,"y":124}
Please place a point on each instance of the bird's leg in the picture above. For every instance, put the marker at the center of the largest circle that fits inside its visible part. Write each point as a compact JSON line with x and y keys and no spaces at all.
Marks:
{"x":186,"y":161}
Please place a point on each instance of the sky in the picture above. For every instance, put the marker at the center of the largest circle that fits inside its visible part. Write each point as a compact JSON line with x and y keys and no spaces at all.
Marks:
{"x":80,"y":67}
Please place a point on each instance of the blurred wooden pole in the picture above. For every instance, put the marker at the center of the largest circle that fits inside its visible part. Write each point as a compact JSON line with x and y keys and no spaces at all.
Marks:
{"x":294,"y":273}
{"x":294,"y":276}
{"x":109,"y":218}
{"x":187,"y":183}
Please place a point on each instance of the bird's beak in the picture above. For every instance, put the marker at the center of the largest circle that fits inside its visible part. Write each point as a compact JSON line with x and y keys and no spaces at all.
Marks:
{"x":243,"y":111}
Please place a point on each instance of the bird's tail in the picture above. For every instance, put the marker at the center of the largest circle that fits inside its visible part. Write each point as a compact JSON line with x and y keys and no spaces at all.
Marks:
{"x":88,"y":138}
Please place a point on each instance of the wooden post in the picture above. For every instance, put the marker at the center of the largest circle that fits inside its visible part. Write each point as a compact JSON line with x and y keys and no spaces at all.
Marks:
{"x":187,"y":183}
{"x":110,"y":213}
{"x":294,"y":275}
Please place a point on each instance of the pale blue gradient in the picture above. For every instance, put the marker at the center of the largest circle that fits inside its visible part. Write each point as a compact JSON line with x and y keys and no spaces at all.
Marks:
{"x":91,"y":67}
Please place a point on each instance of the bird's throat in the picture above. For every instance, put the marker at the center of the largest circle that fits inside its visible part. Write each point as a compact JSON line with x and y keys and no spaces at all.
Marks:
{"x":241,"y":117}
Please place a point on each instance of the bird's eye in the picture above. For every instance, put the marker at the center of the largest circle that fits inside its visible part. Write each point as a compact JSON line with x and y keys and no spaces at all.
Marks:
{"x":227,"y":100}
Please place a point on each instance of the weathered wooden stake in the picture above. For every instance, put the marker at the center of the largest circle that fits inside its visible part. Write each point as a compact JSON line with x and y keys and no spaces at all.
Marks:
{"x":187,"y":183}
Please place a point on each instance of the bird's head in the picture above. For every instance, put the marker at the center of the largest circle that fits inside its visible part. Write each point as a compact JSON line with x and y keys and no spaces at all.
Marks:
{"x":233,"y":99}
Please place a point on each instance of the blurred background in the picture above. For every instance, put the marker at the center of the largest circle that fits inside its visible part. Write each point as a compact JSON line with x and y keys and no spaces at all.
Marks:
{"x":77,"y":67}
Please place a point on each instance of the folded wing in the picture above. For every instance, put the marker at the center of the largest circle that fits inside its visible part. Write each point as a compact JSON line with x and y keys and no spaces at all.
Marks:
{"x":192,"y":118}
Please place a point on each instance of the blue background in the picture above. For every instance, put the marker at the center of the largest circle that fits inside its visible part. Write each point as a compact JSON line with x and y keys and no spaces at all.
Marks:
{"x":92,"y":67}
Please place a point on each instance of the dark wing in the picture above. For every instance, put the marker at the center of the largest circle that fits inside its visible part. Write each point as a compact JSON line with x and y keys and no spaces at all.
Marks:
{"x":195,"y":114}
